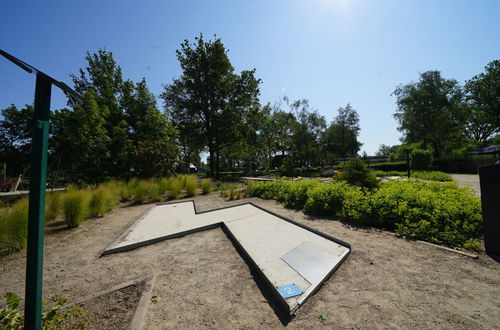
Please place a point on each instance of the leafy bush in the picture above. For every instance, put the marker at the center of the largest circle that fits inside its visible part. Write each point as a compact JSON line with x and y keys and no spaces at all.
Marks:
{"x":155,"y":191}
{"x":421,"y":159}
{"x":163,"y":186}
{"x":436,"y":212}
{"x":191,"y":185}
{"x":206,"y":186}
{"x":57,"y":316}
{"x":473,"y":244}
{"x":390,"y":166}
{"x":357,"y":173}
{"x":14,"y":227}
{"x":75,"y":207}
{"x":432,"y":176}
{"x":53,"y":205}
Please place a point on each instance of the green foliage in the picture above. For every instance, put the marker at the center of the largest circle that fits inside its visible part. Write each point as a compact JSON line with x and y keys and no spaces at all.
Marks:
{"x":431,"y":176}
{"x":357,"y":173}
{"x":57,"y":316}
{"x":140,"y":192}
{"x":53,"y":205}
{"x":288,"y":168}
{"x":436,"y":212}
{"x":175,"y":188}
{"x":206,"y":186}
{"x":429,"y":112}
{"x":14,"y":227}
{"x":420,"y":159}
{"x":75,"y":207}
{"x":341,"y":137}
{"x":102,"y":200}
{"x":191,"y":185}
{"x":473,"y":244}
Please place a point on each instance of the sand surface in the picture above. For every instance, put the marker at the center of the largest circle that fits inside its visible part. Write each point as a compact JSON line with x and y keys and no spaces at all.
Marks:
{"x":201,"y":281}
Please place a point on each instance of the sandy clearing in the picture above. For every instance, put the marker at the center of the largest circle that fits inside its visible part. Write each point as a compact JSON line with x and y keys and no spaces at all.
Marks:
{"x":202,"y":282}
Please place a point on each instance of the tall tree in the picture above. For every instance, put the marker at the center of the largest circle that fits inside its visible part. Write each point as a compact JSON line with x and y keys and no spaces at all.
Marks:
{"x":428,"y":111}
{"x":15,"y":138}
{"x":482,"y":118}
{"x":307,"y":132}
{"x":104,"y":76}
{"x":341,"y":138}
{"x":209,"y":103}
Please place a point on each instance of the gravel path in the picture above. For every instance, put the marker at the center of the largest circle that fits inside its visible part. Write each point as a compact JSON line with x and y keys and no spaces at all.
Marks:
{"x":468,"y":180}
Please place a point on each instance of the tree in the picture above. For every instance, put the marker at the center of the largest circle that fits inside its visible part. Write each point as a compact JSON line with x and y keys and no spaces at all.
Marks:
{"x":428,"y":111}
{"x":130,"y":124}
{"x":307,"y":132}
{"x":341,"y":138}
{"x":482,"y":118}
{"x":385,"y":150}
{"x":104,"y":76}
{"x":15,"y":138}
{"x":209,"y":103}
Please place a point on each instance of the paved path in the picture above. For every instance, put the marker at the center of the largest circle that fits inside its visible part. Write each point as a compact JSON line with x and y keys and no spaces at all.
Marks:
{"x":288,"y":255}
{"x":468,"y":180}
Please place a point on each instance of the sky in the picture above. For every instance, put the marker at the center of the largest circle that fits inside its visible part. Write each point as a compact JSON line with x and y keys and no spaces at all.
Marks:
{"x":331,"y":52}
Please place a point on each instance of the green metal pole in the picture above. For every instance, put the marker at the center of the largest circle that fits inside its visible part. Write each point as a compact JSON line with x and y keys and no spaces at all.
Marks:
{"x":36,"y":217}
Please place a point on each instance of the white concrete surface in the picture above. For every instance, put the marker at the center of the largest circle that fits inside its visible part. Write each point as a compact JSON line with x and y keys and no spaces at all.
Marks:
{"x":265,"y":237}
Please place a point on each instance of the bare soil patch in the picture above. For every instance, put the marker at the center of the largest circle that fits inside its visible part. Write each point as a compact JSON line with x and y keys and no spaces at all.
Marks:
{"x":202,"y":282}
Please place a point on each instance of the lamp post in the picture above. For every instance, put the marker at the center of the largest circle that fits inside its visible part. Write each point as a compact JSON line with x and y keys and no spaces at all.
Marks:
{"x":408,"y":161}
{"x":36,"y":214}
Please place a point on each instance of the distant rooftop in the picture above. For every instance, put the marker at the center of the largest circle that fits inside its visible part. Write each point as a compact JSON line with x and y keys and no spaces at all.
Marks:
{"x":485,"y":151}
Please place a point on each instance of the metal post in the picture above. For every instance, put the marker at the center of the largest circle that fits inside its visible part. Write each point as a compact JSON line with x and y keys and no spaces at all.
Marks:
{"x":36,"y":217}
{"x":408,"y":161}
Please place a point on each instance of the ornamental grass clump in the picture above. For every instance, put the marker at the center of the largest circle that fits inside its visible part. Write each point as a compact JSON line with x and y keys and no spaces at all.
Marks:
{"x":53,"y":205}
{"x":191,"y":185}
{"x":175,"y":188}
{"x":156,"y":191}
{"x":206,"y":186}
{"x":140,"y":192}
{"x":102,"y":200}
{"x":14,"y":227}
{"x":75,"y":207}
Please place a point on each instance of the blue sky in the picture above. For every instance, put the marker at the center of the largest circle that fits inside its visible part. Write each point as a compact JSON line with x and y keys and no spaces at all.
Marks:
{"x":328,"y":51}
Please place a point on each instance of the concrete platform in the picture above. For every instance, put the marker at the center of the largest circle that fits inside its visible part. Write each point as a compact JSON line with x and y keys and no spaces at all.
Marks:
{"x":281,"y":251}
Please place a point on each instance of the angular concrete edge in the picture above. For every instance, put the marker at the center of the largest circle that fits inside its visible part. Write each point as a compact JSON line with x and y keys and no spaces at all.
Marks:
{"x":282,"y":304}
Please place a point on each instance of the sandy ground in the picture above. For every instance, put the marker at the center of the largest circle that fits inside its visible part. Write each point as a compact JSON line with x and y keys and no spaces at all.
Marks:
{"x":202,"y":282}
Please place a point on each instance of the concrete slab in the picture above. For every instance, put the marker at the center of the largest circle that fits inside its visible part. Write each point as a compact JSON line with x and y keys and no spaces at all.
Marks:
{"x":268,"y":241}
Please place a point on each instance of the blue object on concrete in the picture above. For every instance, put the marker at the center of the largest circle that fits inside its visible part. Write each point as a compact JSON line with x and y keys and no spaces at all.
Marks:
{"x":290,"y":290}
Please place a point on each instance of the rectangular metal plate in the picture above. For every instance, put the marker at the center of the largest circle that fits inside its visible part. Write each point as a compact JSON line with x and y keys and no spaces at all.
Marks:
{"x":311,"y":261}
{"x":290,"y":290}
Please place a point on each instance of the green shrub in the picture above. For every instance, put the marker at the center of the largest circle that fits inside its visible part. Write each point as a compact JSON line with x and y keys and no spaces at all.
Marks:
{"x":191,"y":185}
{"x":328,"y":199}
{"x":436,"y":212}
{"x":14,"y":227}
{"x":420,"y":159}
{"x":75,"y":207}
{"x":53,"y":205}
{"x":389,"y":173}
{"x":357,"y":173}
{"x":54,"y":314}
{"x":206,"y":186}
{"x":175,"y":188}
{"x":431,"y":176}
{"x":473,"y":244}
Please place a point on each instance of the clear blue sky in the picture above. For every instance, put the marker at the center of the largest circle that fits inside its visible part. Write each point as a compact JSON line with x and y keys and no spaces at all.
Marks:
{"x":329,"y":51}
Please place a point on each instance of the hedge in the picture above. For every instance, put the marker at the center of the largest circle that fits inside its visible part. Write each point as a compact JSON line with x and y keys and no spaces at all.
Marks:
{"x":437,"y":212}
